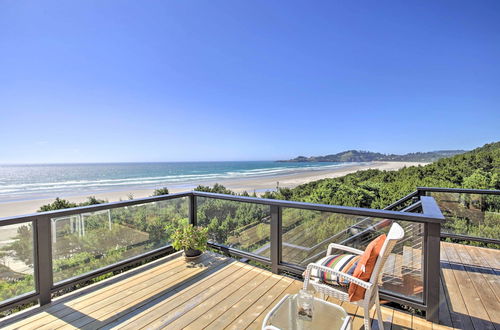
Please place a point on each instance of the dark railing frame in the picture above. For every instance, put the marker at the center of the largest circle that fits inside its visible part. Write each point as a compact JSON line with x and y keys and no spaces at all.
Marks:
{"x":43,"y":242}
{"x":431,"y":218}
{"x":422,"y":191}
{"x":432,"y":258}
{"x":42,"y":249}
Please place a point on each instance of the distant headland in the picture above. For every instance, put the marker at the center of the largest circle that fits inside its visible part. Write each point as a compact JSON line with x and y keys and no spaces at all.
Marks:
{"x":368,"y":156}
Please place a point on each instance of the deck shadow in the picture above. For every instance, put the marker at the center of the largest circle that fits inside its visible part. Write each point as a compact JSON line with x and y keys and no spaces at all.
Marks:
{"x":469,"y":268}
{"x":158,"y":298}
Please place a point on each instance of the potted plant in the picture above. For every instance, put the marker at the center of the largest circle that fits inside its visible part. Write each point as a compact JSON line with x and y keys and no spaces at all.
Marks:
{"x":191,"y":239}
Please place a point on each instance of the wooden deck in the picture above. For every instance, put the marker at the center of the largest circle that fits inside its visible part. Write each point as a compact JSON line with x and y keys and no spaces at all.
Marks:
{"x":222,"y":293}
{"x":470,"y":279}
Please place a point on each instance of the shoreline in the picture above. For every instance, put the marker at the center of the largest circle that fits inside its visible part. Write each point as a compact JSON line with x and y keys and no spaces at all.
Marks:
{"x":257,"y":184}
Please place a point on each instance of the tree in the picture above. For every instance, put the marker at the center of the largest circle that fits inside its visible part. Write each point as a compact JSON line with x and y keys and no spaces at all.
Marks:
{"x":217,"y":189}
{"x":160,"y":191}
{"x":478,"y":180}
{"x":58,"y":204}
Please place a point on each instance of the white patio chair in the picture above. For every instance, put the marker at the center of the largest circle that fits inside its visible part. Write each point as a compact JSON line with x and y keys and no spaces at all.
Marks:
{"x":371,"y":294}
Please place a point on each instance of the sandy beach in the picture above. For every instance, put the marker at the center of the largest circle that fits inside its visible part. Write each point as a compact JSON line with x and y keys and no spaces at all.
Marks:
{"x":259,"y":185}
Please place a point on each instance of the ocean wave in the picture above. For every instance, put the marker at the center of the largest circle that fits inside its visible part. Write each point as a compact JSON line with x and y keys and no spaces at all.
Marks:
{"x":32,"y":188}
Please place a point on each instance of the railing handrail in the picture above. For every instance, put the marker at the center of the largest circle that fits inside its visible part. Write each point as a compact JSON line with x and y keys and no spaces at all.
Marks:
{"x":431,"y":217}
{"x":460,"y":190}
{"x":431,"y":208}
{"x":377,"y":213}
{"x":462,"y":237}
{"x":402,"y":200}
{"x":396,"y":215}
{"x":89,"y":208}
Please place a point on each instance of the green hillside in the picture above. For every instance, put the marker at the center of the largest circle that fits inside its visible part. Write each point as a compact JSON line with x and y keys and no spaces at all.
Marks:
{"x":479,"y":168}
{"x":368,"y":156}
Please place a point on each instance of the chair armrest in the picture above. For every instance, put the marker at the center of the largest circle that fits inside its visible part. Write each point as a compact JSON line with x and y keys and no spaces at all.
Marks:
{"x":335,"y":246}
{"x":348,"y":277}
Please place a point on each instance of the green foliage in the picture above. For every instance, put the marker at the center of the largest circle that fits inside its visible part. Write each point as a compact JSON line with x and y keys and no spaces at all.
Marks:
{"x":236,"y":224}
{"x":367,"y":156}
{"x":479,"y":168}
{"x":478,"y":180}
{"x":217,"y":189}
{"x":190,"y":237}
{"x":60,"y":204}
{"x":13,"y":288}
{"x":160,"y":191}
{"x":21,"y":247}
{"x":92,"y":200}
{"x":124,"y":232}
{"x":108,"y":237}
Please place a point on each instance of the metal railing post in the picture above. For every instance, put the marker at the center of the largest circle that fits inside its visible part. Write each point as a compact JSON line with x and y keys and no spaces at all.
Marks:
{"x":432,"y":258}
{"x":276,"y":230}
{"x":43,"y":259}
{"x":432,"y":269}
{"x":193,"y":210}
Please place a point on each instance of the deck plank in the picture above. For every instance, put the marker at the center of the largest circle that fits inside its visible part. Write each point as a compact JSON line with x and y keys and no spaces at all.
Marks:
{"x":420,"y":323}
{"x":292,"y":289}
{"x":162,"y":305}
{"x":250,"y":314}
{"x":481,"y":284}
{"x":98,"y":289}
{"x":225,"y":293}
{"x":198,"y":310}
{"x":231,"y":314}
{"x":458,"y":311}
{"x":492,"y":275}
{"x":98,"y":312}
{"x":387,"y":318}
{"x":209,"y":315}
{"x":401,"y":320}
{"x":444,"y":309}
{"x":180,"y":294}
{"x":166,"y":313}
{"x":475,"y":308}
{"x":491,"y":256}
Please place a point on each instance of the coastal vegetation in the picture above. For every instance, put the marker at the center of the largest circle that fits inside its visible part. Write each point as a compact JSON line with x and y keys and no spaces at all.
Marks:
{"x":478,"y":169}
{"x":59,"y":204}
{"x":368,"y":156}
{"x":88,"y":241}
{"x":467,"y":214}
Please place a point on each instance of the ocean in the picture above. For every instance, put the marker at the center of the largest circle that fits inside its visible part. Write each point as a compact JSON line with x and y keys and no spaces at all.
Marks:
{"x":24,"y":182}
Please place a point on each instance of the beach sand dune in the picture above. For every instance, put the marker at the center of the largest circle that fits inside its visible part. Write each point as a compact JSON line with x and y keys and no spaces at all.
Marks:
{"x":259,"y":185}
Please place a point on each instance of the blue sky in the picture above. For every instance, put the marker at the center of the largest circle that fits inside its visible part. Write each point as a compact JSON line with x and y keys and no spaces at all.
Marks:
{"x":92,"y":81}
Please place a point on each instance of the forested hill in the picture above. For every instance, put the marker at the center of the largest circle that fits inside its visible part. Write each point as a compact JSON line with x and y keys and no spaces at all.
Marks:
{"x":479,"y":168}
{"x":368,"y":156}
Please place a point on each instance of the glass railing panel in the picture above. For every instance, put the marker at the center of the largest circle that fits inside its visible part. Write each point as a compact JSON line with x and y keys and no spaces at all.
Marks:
{"x":16,"y":260}
{"x":476,"y":215}
{"x":85,"y":242}
{"x":307,"y":234}
{"x":243,"y":226}
{"x":401,"y":206}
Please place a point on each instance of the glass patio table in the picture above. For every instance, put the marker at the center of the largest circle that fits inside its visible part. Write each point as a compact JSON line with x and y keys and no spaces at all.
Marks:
{"x":325,"y":316}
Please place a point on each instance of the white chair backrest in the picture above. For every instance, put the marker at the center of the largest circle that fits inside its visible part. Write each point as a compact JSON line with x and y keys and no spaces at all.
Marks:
{"x":395,"y":234}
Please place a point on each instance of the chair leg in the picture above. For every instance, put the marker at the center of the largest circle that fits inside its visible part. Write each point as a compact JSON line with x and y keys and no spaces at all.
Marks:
{"x":367,"y":318}
{"x":379,"y":312}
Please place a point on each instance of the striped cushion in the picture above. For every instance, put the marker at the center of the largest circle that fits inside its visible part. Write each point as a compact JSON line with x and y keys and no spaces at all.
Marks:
{"x":345,"y":263}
